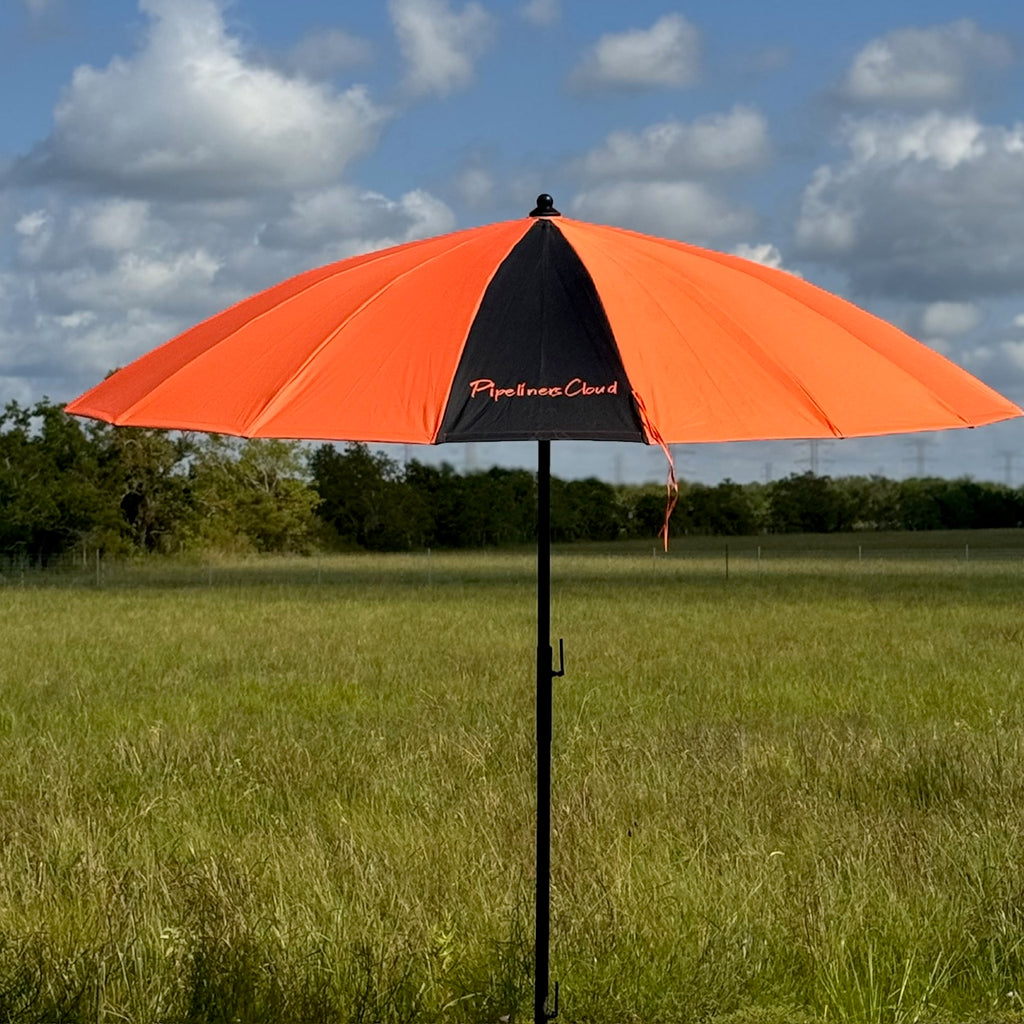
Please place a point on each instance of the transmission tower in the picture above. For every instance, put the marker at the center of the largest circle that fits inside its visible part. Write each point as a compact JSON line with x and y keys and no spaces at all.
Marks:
{"x":1008,"y":456}
{"x":921,"y":445}
{"x":813,"y":459}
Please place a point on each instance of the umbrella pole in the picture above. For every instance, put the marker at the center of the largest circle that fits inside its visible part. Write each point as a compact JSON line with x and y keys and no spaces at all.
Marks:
{"x":546,"y":672}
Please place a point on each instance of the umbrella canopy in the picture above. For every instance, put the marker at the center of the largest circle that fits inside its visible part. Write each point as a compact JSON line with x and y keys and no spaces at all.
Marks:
{"x":547,"y":328}
{"x":544,"y":328}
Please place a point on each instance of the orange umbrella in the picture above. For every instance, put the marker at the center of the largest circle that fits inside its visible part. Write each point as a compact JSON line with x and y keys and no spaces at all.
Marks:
{"x":544,"y":328}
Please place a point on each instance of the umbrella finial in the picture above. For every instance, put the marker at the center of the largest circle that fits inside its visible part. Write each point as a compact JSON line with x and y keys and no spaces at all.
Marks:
{"x":545,"y":207}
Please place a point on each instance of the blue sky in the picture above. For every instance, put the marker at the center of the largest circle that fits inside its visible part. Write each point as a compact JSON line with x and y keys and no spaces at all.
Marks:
{"x":160,"y":159}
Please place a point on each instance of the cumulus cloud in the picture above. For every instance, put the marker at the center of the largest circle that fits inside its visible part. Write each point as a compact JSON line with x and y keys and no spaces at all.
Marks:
{"x":188,"y":115}
{"x":476,"y":185}
{"x":114,"y":254}
{"x":680,"y":209}
{"x":923,"y":65}
{"x":340,"y":221}
{"x":92,"y":283}
{"x":930,"y":207}
{"x":764,"y":253}
{"x":949,"y":318}
{"x":328,"y":51}
{"x":542,"y":12}
{"x":440,"y":45}
{"x":737,"y":140}
{"x":664,"y":179}
{"x":665,"y":55}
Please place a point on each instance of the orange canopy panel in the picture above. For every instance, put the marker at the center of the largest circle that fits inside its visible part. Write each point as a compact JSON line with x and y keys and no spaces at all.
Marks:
{"x":362,"y":349}
{"x":722,"y":348}
{"x":544,"y":327}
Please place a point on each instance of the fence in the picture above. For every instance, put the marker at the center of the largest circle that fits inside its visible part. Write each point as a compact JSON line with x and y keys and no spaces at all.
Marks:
{"x":91,"y":568}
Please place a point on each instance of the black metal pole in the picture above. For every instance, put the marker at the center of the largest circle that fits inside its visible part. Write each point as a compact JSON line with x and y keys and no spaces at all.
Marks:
{"x":545,"y":674}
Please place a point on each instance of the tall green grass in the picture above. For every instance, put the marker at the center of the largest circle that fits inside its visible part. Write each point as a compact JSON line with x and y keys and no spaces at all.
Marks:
{"x":303,"y":791}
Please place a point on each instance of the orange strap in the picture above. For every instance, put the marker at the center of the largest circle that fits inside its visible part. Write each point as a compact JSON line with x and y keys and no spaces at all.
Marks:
{"x":671,"y":484}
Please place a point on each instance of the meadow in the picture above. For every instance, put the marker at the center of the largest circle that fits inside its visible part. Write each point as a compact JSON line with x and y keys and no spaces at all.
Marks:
{"x":303,"y":791}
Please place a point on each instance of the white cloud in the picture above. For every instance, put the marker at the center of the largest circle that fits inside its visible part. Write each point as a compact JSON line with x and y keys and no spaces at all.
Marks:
{"x":949,"y":318}
{"x":117,"y":224}
{"x":476,"y":185}
{"x":441,"y":46}
{"x":678,"y":209}
{"x":764,"y":253}
{"x":331,"y":223}
{"x":187,"y":115}
{"x":137,"y":280}
{"x":946,"y":141}
{"x":42,"y":11}
{"x":923,"y":65}
{"x":93,"y":283}
{"x":326,"y":52}
{"x":736,"y":140}
{"x":542,"y":12}
{"x":928,"y":207}
{"x":31,"y":224}
{"x":1014,"y":353}
{"x":666,"y":54}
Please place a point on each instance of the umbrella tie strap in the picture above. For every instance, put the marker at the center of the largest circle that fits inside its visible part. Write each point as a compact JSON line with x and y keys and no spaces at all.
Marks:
{"x":671,"y":483}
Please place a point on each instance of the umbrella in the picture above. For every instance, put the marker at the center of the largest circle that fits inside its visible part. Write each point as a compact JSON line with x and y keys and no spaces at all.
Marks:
{"x":544,"y":328}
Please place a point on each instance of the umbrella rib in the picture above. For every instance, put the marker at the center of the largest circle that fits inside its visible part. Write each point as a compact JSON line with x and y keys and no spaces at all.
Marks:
{"x":271,"y":406}
{"x":736,"y":332}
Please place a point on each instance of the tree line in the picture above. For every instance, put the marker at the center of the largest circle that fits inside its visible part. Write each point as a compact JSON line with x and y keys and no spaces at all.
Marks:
{"x":68,"y":484}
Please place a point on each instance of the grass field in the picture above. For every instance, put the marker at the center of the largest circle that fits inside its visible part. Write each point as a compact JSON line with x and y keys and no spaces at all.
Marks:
{"x":303,"y":791}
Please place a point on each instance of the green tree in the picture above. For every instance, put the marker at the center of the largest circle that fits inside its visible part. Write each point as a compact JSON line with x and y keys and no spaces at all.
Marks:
{"x":51,"y":487}
{"x":725,"y":509}
{"x":585,"y":510}
{"x":806,"y":503}
{"x":144,"y":473}
{"x":874,"y":501}
{"x":365,"y":500}
{"x":253,"y":494}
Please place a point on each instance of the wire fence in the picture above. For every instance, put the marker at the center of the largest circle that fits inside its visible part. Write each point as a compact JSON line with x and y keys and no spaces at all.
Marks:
{"x":93,"y":568}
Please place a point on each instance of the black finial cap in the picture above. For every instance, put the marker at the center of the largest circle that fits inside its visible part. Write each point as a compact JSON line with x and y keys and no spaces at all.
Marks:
{"x":545,"y":207}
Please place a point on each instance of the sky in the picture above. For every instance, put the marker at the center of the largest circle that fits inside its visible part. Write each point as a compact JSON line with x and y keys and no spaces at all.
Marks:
{"x":161,"y":159}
